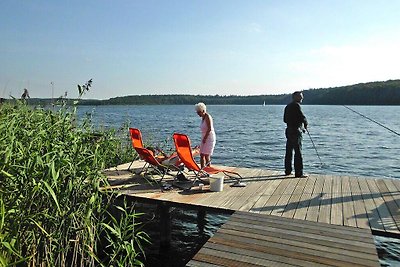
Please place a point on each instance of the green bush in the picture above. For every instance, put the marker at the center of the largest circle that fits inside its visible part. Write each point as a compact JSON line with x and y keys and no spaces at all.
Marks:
{"x":52,"y":211}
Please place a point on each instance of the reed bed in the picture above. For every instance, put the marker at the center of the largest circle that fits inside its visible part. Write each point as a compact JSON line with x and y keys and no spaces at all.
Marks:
{"x":52,"y":212}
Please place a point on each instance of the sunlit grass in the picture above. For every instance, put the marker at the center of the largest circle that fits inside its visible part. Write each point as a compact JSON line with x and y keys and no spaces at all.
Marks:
{"x":52,"y":212}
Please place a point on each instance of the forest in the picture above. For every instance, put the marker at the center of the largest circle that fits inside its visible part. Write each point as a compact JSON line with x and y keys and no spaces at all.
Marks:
{"x":372,"y":93}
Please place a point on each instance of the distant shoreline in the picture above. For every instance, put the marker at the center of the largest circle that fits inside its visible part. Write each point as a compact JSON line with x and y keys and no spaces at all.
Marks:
{"x":373,"y":93}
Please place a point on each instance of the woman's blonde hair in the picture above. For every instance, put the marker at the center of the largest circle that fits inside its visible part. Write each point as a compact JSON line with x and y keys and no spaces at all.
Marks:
{"x":200,"y":107}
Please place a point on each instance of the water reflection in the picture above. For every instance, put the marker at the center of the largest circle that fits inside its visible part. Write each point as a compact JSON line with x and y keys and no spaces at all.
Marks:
{"x":177,"y":233}
{"x":388,"y":250}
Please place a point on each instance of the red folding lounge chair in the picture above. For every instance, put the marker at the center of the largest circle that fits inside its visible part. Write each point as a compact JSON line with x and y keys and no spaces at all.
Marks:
{"x":136,"y":137}
{"x":137,"y":142}
{"x":184,"y":150}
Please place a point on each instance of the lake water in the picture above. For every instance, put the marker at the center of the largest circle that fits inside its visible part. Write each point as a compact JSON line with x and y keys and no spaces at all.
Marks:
{"x":253,"y":136}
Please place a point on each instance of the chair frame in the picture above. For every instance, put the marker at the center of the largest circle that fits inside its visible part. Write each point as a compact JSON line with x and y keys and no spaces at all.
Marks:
{"x":154,"y":164}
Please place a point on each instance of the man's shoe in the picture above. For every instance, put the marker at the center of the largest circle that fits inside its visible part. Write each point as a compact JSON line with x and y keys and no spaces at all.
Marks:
{"x":301,"y":176}
{"x":288,"y":173}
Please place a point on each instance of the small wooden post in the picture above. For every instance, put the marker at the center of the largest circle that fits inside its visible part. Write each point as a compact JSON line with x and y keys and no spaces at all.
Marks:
{"x":165,"y":226}
{"x":201,"y":220}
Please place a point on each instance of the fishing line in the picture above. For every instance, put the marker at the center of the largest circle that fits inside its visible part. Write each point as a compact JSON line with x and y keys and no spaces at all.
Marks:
{"x":380,"y":124}
{"x":315,"y":148}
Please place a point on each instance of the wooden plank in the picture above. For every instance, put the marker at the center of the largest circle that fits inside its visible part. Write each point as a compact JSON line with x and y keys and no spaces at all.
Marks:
{"x":221,"y":258}
{"x":337,"y":201}
{"x":305,"y":199}
{"x":343,"y":232}
{"x":250,"y":174}
{"x":390,"y":204}
{"x":216,"y":199}
{"x":277,"y":241}
{"x":324,"y":232}
{"x":326,"y":201}
{"x":285,"y":196}
{"x":207,"y":198}
{"x":313,"y":209}
{"x":374,"y":218}
{"x":241,"y":199}
{"x":222,"y":199}
{"x":272,"y":201}
{"x":297,"y":251}
{"x":266,"y":195}
{"x":359,"y":208}
{"x":195,"y":263}
{"x":295,"y":199}
{"x":256,"y":195}
{"x":310,"y":241}
{"x":241,"y":248}
{"x":271,"y":175}
{"x":386,"y":218}
{"x":394,"y":191}
{"x":396,"y":183}
{"x":349,"y":215}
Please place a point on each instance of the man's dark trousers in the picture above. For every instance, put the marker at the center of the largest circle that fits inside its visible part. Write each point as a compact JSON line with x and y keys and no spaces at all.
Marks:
{"x":293,"y":143}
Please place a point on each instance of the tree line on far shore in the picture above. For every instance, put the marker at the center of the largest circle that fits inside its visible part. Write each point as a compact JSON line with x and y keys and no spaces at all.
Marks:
{"x":372,"y":93}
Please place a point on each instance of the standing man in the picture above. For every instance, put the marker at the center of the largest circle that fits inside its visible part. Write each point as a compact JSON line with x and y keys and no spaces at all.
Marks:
{"x":294,"y":119}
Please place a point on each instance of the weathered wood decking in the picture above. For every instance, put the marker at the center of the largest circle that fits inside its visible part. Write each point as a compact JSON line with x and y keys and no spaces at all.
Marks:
{"x":249,"y":239}
{"x":370,"y":203}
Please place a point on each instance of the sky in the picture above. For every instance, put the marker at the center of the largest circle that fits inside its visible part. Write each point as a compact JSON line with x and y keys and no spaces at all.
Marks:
{"x":199,"y":47}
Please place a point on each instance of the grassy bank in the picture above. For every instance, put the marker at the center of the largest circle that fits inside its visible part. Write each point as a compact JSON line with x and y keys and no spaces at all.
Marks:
{"x":52,"y":212}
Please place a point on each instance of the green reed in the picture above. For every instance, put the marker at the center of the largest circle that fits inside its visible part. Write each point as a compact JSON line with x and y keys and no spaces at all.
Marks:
{"x":52,"y":211}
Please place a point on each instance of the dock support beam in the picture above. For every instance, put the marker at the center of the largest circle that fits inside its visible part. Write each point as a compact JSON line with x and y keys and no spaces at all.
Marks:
{"x":165,"y":226}
{"x":201,"y":220}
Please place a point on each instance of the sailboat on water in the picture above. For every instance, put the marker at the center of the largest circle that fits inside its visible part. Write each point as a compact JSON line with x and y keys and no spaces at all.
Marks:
{"x":264,"y":104}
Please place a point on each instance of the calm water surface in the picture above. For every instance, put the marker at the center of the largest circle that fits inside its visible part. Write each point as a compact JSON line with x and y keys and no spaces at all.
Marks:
{"x":253,"y":136}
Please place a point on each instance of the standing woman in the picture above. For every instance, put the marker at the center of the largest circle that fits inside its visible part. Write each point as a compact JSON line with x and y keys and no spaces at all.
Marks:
{"x":208,"y":137}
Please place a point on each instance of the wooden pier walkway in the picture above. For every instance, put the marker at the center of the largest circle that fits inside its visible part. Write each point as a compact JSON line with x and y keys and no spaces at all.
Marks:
{"x":249,"y":239}
{"x":359,"y":202}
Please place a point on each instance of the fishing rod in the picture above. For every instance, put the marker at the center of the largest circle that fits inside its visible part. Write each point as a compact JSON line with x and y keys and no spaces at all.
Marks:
{"x":374,"y":121}
{"x":315,"y":148}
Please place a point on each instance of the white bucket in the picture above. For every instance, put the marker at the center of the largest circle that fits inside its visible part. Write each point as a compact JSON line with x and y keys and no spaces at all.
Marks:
{"x":216,"y":183}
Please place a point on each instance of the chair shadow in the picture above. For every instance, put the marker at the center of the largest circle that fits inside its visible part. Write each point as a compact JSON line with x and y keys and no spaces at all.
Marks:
{"x":130,"y":180}
{"x":190,"y":187}
{"x":262,"y":178}
{"x":187,"y":187}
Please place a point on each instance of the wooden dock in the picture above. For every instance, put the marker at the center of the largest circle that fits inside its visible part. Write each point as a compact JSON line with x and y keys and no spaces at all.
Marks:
{"x":249,"y":239}
{"x":359,"y":202}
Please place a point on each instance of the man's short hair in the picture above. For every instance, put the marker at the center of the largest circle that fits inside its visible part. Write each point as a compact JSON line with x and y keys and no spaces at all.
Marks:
{"x":296,"y":94}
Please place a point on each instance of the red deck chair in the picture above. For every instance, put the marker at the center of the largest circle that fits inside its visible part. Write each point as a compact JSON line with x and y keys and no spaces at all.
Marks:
{"x":136,"y":137}
{"x":137,"y":142}
{"x":184,"y":150}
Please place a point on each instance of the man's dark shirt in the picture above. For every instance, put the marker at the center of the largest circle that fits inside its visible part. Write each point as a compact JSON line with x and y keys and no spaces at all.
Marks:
{"x":293,"y":116}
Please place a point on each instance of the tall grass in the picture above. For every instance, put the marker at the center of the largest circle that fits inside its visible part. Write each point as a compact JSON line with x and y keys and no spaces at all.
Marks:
{"x":52,"y":212}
